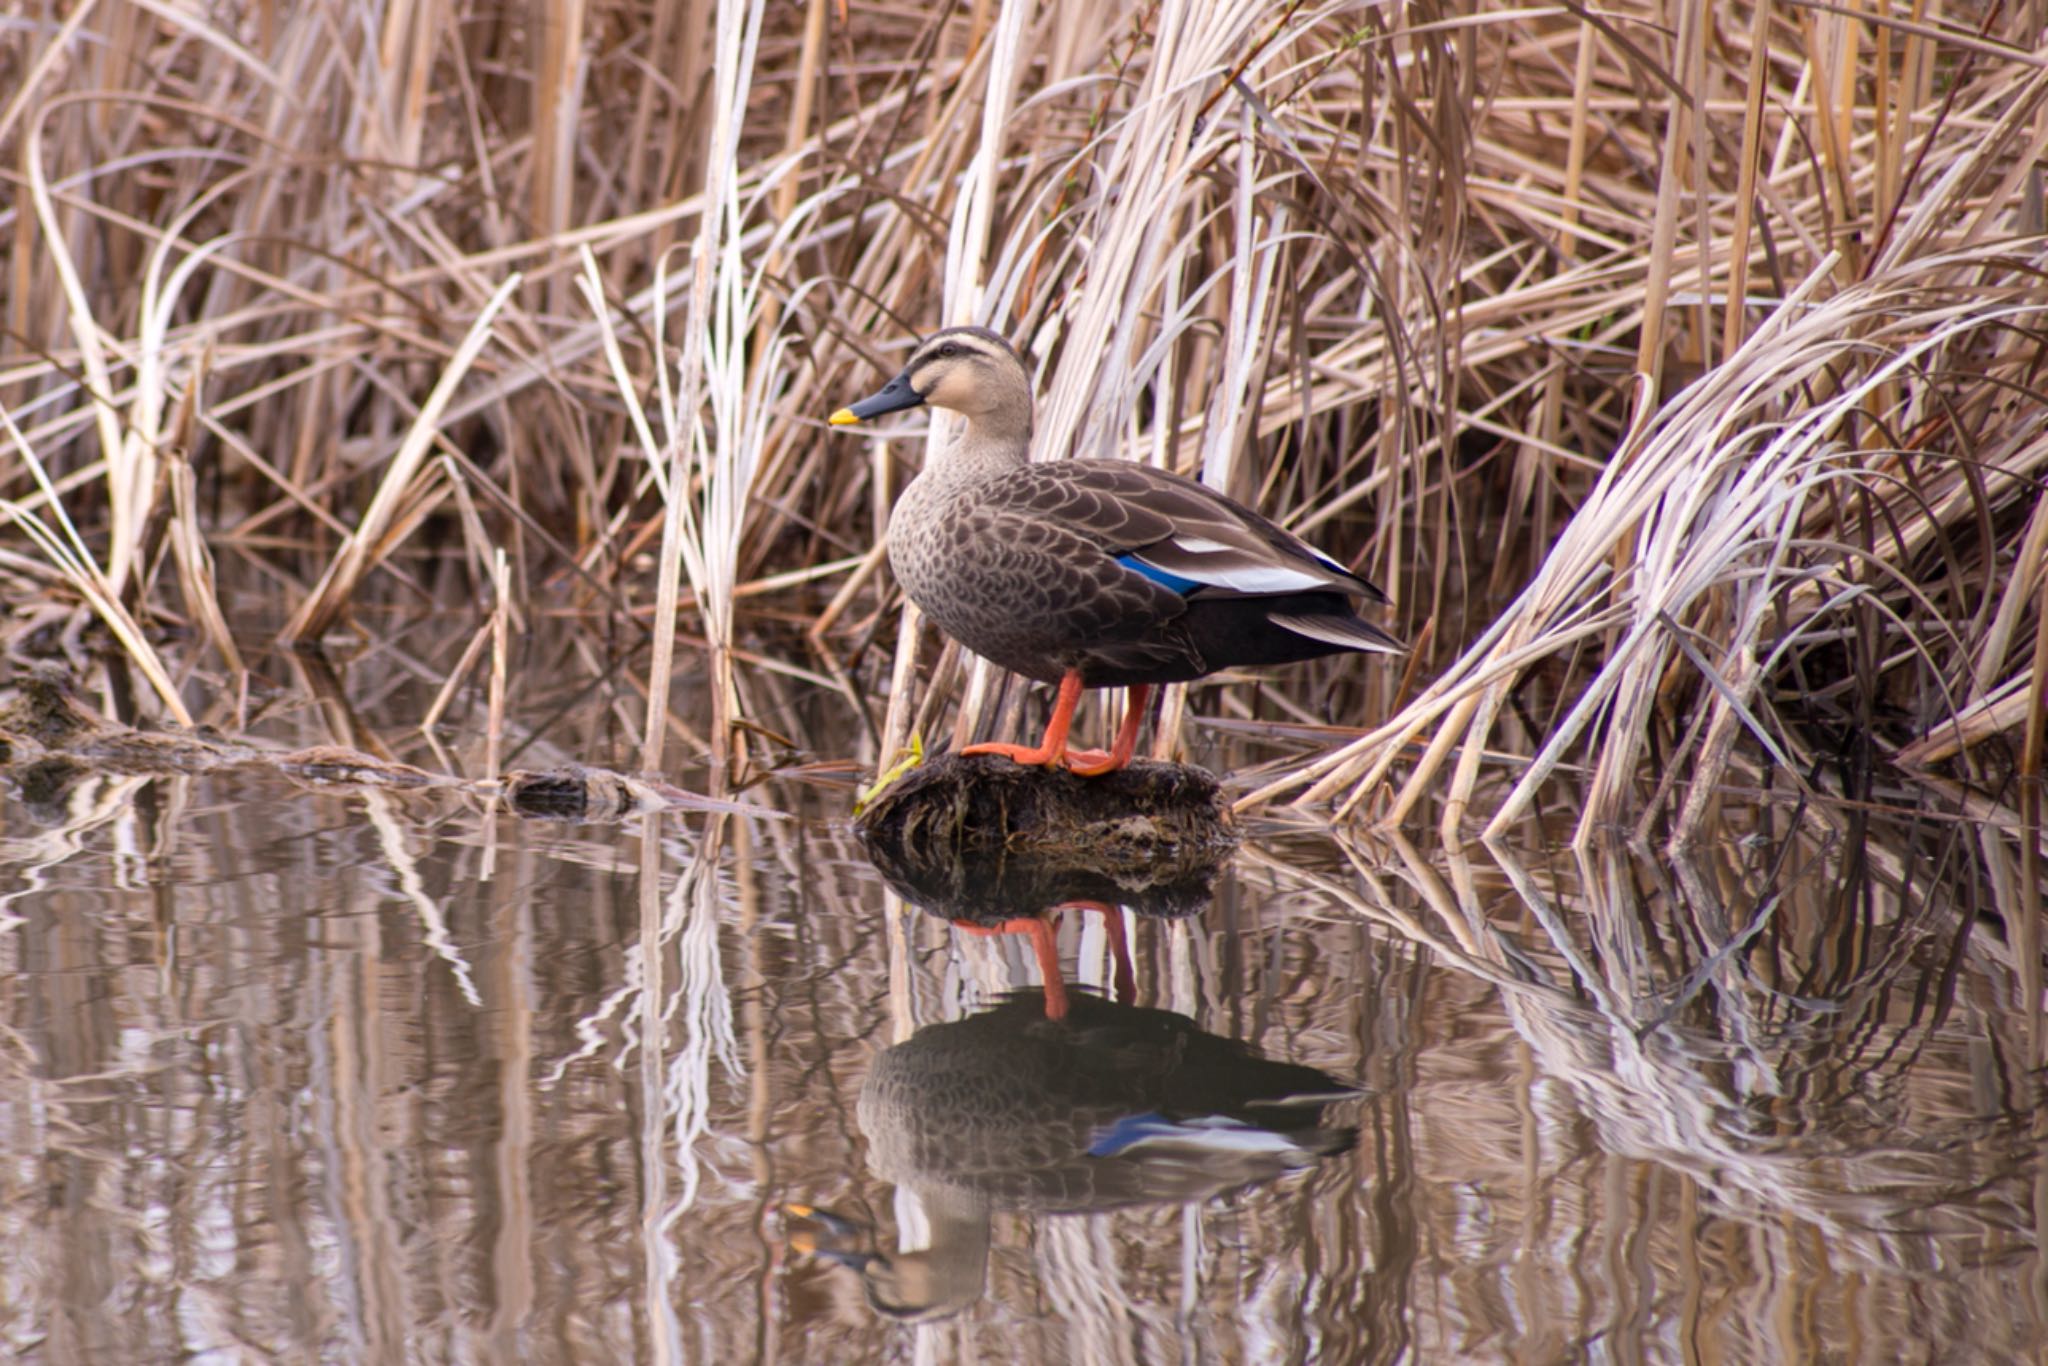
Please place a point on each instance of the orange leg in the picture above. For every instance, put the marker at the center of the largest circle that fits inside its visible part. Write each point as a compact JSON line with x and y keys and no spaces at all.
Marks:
{"x":1120,"y":950}
{"x":1053,"y":748}
{"x":1042,"y":929}
{"x":1126,"y":738}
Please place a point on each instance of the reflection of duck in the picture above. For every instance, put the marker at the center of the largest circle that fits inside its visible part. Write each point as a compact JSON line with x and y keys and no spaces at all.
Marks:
{"x":1112,"y":1106}
{"x":1042,"y":928}
{"x":1093,"y":573}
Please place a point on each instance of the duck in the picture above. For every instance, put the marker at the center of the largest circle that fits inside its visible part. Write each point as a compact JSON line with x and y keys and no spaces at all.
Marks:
{"x":1092,"y":573}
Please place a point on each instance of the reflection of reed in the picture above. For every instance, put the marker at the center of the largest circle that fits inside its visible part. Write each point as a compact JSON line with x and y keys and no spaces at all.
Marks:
{"x":1110,"y":1107}
{"x":1770,"y":1016}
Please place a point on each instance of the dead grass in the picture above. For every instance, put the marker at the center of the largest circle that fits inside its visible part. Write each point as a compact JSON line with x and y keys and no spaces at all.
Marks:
{"x":1677,"y":366}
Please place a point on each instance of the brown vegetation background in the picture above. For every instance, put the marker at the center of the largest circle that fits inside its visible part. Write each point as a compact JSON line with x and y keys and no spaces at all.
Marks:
{"x":1678,"y":365}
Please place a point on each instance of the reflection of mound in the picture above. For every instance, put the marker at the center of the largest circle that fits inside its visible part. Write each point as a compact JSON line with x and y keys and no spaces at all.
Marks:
{"x":981,"y":839}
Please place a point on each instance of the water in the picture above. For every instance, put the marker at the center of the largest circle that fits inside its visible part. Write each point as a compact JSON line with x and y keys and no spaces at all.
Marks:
{"x":297,"y":1073}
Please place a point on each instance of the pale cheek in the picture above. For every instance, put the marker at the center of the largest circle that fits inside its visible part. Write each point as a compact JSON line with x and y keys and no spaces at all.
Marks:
{"x":952,"y":392}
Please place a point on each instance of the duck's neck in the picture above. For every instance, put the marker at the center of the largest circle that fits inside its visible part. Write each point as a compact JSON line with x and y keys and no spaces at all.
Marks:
{"x":950,"y":1271}
{"x":978,"y":449}
{"x":1006,"y":423}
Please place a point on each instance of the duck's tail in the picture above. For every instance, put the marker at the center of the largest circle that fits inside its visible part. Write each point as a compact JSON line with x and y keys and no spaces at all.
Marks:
{"x":1344,"y":632}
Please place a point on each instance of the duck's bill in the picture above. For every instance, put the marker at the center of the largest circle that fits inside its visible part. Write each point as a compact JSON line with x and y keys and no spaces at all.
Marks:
{"x":819,"y":1232}
{"x":894,"y":396}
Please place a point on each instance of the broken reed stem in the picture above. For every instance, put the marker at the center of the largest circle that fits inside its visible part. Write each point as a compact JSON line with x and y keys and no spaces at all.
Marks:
{"x":2033,"y":775}
{"x":501,"y":661}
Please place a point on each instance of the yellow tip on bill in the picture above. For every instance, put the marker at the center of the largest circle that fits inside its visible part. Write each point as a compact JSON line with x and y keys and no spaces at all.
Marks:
{"x":843,"y":418}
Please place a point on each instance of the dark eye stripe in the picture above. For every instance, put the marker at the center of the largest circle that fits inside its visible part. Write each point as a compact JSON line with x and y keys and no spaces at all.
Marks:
{"x":950,"y":348}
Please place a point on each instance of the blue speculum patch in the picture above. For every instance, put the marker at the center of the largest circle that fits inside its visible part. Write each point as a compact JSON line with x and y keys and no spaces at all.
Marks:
{"x":1128,"y":1132}
{"x":1182,"y":586}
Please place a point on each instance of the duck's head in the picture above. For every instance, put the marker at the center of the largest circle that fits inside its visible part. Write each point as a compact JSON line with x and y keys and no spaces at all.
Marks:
{"x":970,"y":370}
{"x":911,"y":1287}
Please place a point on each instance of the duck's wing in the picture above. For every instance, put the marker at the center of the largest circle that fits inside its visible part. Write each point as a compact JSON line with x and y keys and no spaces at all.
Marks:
{"x":1036,"y":596}
{"x":1174,"y":531}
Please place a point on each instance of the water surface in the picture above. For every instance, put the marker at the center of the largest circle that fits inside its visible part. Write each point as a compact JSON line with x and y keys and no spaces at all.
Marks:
{"x":293,"y":1073}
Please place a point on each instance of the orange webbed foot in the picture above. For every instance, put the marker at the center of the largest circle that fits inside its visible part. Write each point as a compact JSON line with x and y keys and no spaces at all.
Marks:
{"x":1030,"y":756}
